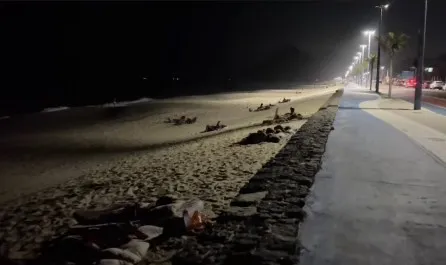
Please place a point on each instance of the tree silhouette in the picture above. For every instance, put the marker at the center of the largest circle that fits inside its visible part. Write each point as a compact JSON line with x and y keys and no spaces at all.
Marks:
{"x":371,"y":60}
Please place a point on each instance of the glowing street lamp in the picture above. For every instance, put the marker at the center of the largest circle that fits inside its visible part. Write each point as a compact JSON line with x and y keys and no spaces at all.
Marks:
{"x":369,"y":33}
{"x":363,"y":46}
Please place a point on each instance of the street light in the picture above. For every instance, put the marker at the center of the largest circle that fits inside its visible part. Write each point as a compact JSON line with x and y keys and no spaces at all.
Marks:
{"x":363,"y":46}
{"x":369,"y":33}
{"x":378,"y":57}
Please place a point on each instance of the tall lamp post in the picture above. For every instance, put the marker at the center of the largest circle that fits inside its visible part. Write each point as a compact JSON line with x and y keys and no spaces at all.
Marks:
{"x":362,"y":46}
{"x":369,"y":33}
{"x":420,"y":66}
{"x":356,"y":60}
{"x":378,"y":58}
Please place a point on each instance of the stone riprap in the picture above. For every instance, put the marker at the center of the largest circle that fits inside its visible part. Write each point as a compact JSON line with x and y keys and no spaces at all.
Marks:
{"x":262,"y":224}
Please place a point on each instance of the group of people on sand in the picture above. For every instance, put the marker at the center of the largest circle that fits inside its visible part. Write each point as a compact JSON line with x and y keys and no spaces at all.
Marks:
{"x":182,"y":120}
{"x":262,"y":107}
{"x":267,"y":107}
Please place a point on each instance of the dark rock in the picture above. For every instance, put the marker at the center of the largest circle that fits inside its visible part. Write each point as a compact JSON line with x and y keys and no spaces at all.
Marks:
{"x":254,"y":138}
{"x":249,"y":199}
{"x":245,"y":245}
{"x":238,"y":213}
{"x":269,"y":256}
{"x":275,"y":219}
{"x":166,"y":199}
{"x":278,"y":127}
{"x":269,"y":130}
{"x":296,"y":213}
{"x":273,"y":139}
{"x":287,"y":128}
{"x":305,"y":181}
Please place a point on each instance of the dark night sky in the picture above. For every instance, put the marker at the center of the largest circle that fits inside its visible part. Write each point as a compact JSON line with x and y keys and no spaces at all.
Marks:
{"x":56,"y":53}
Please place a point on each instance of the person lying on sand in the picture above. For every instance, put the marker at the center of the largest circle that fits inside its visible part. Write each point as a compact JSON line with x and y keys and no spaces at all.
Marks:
{"x":285,"y":100}
{"x":218,"y":126}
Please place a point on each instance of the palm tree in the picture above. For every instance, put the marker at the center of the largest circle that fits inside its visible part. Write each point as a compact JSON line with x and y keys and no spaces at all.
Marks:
{"x":371,"y":60}
{"x":392,"y":43}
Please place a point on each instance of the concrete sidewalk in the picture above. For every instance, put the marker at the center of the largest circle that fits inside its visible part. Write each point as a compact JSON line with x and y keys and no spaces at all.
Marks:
{"x":380,"y":197}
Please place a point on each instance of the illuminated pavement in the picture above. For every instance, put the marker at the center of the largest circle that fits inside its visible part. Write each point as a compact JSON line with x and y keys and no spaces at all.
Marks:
{"x":378,"y":199}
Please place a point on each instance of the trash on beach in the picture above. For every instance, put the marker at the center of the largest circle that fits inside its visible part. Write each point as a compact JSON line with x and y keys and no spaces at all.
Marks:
{"x":120,"y":234}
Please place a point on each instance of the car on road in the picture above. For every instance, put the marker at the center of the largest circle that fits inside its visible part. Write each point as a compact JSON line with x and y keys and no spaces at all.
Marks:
{"x":426,"y":84}
{"x":410,"y":83}
{"x":437,"y":85}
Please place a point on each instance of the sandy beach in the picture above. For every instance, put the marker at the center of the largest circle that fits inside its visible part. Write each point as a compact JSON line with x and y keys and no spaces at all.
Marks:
{"x":137,"y":158}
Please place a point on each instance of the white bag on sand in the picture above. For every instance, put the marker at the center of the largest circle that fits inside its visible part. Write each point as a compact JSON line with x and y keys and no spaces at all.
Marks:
{"x":120,"y":254}
{"x":137,"y":247}
{"x":151,"y":231}
{"x":113,"y":262}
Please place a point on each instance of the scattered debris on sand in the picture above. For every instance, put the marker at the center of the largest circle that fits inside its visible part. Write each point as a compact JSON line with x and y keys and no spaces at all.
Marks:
{"x":211,"y":128}
{"x":182,"y":120}
{"x":270,"y":135}
{"x":123,"y":234}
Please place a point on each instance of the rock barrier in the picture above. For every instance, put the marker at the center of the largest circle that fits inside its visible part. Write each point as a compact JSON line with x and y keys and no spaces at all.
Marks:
{"x":261,"y":226}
